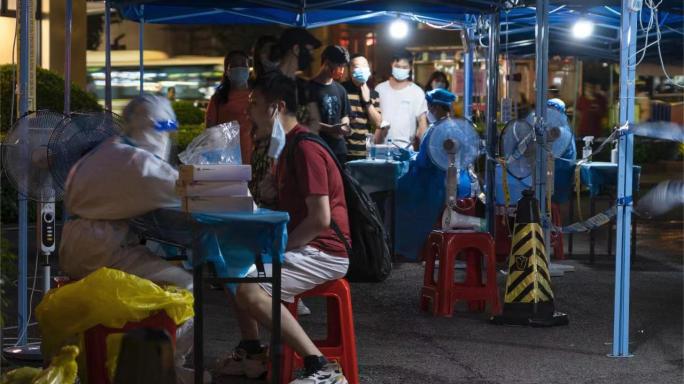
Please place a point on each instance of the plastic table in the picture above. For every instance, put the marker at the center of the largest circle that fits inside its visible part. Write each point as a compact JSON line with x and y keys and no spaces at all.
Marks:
{"x":377,"y":176}
{"x":601,"y":180}
{"x":232,"y":243}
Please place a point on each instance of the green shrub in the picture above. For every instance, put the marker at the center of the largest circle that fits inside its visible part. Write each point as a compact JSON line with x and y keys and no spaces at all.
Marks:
{"x":49,"y":95}
{"x":188,"y":113}
{"x":186,"y":133}
{"x":8,"y":273}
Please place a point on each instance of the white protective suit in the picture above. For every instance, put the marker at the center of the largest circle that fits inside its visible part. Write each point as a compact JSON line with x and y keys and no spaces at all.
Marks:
{"x":123,"y":178}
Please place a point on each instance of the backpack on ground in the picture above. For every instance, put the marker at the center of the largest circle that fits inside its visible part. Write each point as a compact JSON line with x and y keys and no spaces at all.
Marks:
{"x":370,"y":259}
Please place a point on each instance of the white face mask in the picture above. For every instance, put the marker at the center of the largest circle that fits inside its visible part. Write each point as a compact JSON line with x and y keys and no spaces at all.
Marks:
{"x":277,"y":143}
{"x":438,"y":84}
{"x":400,"y":74}
{"x":156,"y":142}
{"x":239,"y":76}
{"x":431,"y":117}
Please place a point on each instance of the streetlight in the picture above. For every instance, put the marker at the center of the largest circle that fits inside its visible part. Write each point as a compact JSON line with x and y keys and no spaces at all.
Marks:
{"x":582,"y":29}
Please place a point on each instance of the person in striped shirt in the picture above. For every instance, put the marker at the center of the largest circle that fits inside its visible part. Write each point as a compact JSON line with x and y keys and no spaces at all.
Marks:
{"x":365,"y":114}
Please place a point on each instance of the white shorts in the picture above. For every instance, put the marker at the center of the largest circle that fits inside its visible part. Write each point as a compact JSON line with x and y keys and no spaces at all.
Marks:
{"x":304,"y":269}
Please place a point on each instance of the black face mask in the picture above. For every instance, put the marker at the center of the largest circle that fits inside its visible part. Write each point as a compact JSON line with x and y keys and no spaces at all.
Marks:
{"x":304,"y":59}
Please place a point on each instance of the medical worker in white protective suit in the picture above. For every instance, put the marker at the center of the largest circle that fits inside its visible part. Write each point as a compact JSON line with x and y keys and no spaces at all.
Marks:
{"x":123,"y":178}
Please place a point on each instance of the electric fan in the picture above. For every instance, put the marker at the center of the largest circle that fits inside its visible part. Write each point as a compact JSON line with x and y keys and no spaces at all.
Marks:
{"x":452,"y":146}
{"x":518,"y":139}
{"x":36,"y":157}
{"x":74,"y":137}
{"x":25,"y":163}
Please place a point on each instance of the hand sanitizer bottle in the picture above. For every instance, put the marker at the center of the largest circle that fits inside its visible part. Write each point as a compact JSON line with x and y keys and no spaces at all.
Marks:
{"x":586,"y":151}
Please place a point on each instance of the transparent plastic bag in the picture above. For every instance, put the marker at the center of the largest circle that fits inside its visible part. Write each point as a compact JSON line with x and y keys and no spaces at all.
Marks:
{"x":216,"y":145}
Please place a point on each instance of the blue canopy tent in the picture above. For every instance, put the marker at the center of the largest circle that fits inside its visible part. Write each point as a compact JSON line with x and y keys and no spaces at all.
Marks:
{"x":529,"y":30}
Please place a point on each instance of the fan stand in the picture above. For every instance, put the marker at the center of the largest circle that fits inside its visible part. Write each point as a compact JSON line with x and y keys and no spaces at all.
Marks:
{"x":30,"y":352}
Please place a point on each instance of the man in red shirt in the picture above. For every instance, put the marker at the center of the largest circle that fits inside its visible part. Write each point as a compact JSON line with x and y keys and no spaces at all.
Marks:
{"x":310,"y":189}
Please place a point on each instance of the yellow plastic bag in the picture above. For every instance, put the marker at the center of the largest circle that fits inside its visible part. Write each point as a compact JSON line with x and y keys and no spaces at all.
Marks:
{"x":108,"y":297}
{"x":62,"y":370}
{"x":23,"y":375}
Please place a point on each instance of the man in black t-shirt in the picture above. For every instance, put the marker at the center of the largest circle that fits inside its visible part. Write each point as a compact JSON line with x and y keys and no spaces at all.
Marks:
{"x":364,"y":105}
{"x":328,"y":103}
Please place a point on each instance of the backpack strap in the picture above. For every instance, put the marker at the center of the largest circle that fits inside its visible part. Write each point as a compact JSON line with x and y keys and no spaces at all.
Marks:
{"x":308,"y":136}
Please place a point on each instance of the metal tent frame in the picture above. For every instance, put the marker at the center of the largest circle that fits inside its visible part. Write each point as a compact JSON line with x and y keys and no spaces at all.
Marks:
{"x":617,"y":34}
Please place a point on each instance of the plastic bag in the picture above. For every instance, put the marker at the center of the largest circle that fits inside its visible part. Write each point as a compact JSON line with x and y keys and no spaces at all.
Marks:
{"x":108,"y":297}
{"x":62,"y":370}
{"x":216,"y":145}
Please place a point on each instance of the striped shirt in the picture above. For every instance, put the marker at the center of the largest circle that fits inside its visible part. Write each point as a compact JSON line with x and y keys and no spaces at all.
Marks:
{"x":359,"y":121}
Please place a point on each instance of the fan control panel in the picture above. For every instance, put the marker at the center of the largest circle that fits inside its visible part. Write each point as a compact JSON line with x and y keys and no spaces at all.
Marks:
{"x":47,"y":227}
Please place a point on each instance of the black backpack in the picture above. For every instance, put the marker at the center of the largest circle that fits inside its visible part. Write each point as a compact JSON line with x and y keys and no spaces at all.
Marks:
{"x":370,"y":259}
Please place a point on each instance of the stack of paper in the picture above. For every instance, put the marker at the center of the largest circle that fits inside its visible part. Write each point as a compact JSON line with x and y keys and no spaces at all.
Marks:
{"x":215,"y":188}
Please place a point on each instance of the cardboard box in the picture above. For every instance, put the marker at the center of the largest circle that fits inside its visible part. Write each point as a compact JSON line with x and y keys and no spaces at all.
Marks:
{"x":216,"y":172}
{"x":218,"y":204}
{"x":212,"y":188}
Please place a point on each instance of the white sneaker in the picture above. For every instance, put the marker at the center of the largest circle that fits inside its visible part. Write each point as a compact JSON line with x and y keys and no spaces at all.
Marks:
{"x":302,"y":309}
{"x":331,"y":373}
{"x":187,"y":376}
{"x":240,"y":363}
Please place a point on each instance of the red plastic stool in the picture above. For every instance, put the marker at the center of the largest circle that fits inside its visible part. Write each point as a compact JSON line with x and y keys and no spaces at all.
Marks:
{"x":340,"y":344}
{"x":444,"y":292}
{"x":95,"y":340}
{"x":556,"y":237}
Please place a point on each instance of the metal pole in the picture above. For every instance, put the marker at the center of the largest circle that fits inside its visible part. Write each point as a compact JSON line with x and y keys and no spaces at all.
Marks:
{"x":25,"y":51}
{"x":468,"y":72}
{"x":108,"y":57}
{"x":628,"y":28}
{"x":542,"y":70}
{"x":67,"y":56}
{"x":492,"y":137}
{"x":142,"y":43}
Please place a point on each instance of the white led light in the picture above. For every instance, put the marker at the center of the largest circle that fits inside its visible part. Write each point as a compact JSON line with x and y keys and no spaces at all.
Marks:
{"x":582,"y":29}
{"x":398,"y":29}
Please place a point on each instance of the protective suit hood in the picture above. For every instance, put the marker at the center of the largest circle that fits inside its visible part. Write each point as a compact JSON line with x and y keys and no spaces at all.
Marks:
{"x":148,"y":120}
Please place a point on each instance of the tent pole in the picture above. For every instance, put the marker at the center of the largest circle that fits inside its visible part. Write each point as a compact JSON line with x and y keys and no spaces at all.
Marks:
{"x":142,"y":46}
{"x":492,"y":96}
{"x":26,"y":72}
{"x":542,"y":70}
{"x":108,"y":56}
{"x":625,"y":163}
{"x":67,"y":57}
{"x":468,"y":71}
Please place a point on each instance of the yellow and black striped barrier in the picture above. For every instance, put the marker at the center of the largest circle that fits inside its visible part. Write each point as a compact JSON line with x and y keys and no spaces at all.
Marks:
{"x":528,"y":299}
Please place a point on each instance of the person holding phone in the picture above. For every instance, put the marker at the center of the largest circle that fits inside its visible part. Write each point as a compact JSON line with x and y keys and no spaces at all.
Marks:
{"x":328,"y":103}
{"x":364,"y":104}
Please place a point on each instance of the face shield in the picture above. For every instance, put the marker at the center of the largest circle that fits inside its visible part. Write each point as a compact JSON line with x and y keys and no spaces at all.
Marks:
{"x":148,"y":121}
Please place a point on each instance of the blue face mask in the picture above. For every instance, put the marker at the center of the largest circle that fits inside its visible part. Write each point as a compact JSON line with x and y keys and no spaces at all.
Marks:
{"x":361,"y":75}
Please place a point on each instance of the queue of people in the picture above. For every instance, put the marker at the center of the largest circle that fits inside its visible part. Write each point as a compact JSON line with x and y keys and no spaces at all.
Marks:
{"x":273,"y":104}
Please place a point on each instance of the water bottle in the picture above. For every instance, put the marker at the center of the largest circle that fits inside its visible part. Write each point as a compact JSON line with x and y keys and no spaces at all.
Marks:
{"x":389,"y":149}
{"x":370,"y":147}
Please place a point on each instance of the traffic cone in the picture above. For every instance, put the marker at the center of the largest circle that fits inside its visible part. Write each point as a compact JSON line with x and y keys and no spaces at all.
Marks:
{"x":529,"y":298}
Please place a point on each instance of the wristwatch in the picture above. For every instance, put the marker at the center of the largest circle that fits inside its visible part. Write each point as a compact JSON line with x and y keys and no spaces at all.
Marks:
{"x":364,"y":103}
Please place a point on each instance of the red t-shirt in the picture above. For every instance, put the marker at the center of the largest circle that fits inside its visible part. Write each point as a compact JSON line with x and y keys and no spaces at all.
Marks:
{"x":315,"y":173}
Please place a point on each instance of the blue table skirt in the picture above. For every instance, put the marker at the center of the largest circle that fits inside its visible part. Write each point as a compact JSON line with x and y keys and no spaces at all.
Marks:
{"x":377,"y":175}
{"x":598,"y":176}
{"x":229,"y":241}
